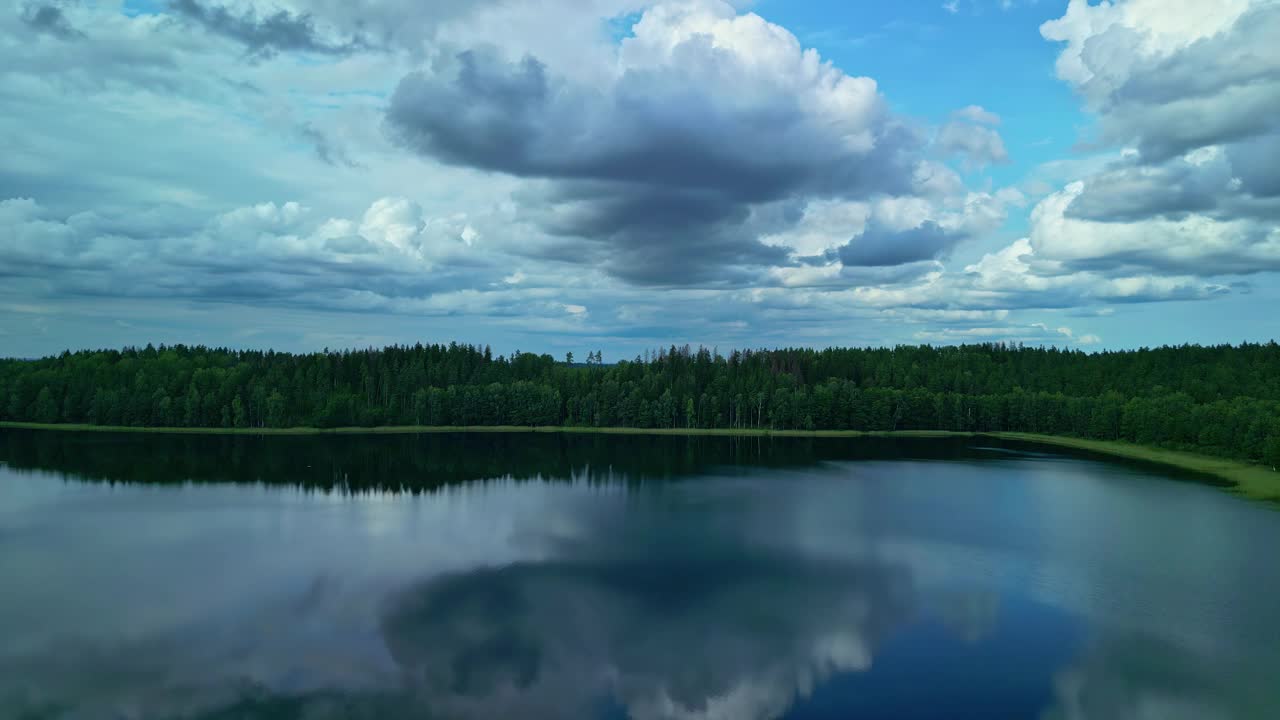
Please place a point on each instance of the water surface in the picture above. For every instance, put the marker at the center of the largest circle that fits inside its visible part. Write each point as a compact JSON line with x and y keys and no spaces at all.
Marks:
{"x":549,"y":576}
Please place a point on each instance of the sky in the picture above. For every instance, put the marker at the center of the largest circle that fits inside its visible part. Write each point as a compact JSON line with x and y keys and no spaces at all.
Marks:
{"x":621,"y":175}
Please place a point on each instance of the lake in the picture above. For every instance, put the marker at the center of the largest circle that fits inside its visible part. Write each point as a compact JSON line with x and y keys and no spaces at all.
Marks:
{"x":599,"y":576}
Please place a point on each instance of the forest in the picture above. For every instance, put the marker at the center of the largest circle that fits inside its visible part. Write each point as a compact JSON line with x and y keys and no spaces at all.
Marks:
{"x":1222,"y":400}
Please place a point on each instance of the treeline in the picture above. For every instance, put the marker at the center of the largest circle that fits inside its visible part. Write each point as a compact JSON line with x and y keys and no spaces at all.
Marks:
{"x":1223,"y":400}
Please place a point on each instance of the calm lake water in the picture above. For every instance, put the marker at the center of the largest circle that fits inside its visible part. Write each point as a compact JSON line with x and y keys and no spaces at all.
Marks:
{"x":548,"y":576}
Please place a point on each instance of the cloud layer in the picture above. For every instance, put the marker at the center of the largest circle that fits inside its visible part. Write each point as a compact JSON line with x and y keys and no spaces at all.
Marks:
{"x":1194,"y":91}
{"x":492,"y":161}
{"x":673,"y":159}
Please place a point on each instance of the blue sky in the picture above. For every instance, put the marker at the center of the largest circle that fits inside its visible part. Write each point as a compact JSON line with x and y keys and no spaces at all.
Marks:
{"x":930,"y":61}
{"x":627,"y":174}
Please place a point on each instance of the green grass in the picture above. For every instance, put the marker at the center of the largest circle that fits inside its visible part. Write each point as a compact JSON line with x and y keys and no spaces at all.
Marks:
{"x":1251,"y":481}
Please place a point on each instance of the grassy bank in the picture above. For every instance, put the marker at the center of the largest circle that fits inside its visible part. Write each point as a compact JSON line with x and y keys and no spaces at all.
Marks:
{"x":1248,"y":480}
{"x":1252,"y":481}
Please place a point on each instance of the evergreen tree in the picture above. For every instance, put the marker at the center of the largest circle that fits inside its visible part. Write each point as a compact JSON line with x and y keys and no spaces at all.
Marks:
{"x":1222,"y":400}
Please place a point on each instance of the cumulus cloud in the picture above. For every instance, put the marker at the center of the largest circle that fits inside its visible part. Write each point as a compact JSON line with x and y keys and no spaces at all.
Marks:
{"x":878,"y":246}
{"x":822,"y":225}
{"x":912,"y":230}
{"x":977,"y":145}
{"x":1164,"y":238}
{"x":1019,"y":277}
{"x":1194,"y":89}
{"x":706,"y":116}
{"x":390,"y":259}
{"x":1172,"y":76}
{"x":1131,"y":190}
{"x":510,"y":161}
{"x":396,"y":259}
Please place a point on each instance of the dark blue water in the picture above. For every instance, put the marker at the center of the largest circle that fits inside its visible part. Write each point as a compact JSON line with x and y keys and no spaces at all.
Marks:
{"x":552,"y":576}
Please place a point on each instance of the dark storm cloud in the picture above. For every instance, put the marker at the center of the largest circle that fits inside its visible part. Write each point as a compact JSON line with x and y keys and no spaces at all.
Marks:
{"x":634,"y":231}
{"x":49,"y":19}
{"x":487,"y":117}
{"x":655,"y":128}
{"x":878,"y":247}
{"x":664,"y":170}
{"x":263,"y":37}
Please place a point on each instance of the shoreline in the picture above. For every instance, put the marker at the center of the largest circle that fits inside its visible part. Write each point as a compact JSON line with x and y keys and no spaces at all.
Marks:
{"x":1250,"y":481}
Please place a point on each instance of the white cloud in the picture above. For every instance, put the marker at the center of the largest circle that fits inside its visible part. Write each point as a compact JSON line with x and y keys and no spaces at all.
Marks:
{"x":1036,"y":333}
{"x":1189,"y":243}
{"x":1173,"y":75}
{"x":639,"y":167}
{"x":976,"y":144}
{"x":977,"y":114}
{"x":824,"y":225}
{"x":763,"y":189}
{"x":393,"y":221}
{"x":1154,"y":29}
{"x":1186,"y":90}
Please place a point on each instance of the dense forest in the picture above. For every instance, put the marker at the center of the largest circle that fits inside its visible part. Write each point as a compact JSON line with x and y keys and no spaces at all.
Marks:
{"x":1223,"y":400}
